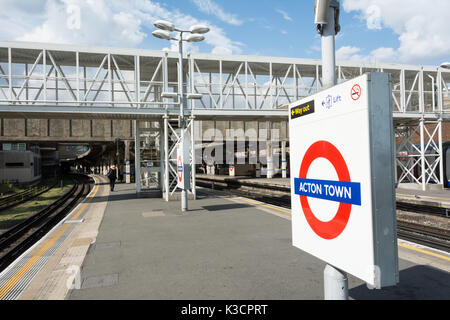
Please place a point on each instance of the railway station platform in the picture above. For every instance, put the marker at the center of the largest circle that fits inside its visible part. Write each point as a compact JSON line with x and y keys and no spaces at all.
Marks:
{"x":225,"y":247}
{"x":433,"y":198}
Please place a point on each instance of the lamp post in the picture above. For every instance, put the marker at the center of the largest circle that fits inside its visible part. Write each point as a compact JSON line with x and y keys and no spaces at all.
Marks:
{"x":195,"y":36}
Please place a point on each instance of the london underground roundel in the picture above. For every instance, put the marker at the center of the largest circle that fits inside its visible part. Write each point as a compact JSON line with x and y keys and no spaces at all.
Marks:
{"x":180,"y":169}
{"x":344,"y":191}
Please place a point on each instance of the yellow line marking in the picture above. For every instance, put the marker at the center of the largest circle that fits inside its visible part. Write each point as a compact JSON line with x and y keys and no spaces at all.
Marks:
{"x":16,"y":278}
{"x":399,"y":243}
{"x":19,"y":274}
{"x":266,"y":205}
{"x":81,"y":209}
{"x":424,"y":251}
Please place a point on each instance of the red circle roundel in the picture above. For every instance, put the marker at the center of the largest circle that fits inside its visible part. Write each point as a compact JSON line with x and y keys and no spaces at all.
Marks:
{"x":333,"y":228}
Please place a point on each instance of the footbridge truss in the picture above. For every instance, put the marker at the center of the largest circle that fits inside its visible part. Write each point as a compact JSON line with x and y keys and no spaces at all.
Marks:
{"x":40,"y":80}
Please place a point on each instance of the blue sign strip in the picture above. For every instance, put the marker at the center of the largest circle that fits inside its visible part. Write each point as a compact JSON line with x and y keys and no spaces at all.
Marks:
{"x":339,"y":191}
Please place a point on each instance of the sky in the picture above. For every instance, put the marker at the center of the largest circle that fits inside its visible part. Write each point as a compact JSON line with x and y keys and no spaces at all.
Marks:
{"x":391,"y":31}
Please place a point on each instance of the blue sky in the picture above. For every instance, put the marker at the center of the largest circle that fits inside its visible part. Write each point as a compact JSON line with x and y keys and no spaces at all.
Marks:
{"x":396,"y":31}
{"x":284,"y":28}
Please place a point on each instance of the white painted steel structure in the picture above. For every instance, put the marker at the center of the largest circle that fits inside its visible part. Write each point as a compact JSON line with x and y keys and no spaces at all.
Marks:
{"x":65,"y":81}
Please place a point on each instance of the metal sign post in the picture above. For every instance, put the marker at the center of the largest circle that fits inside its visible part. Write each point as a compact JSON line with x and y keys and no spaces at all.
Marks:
{"x":335,"y":281}
{"x":183,"y":168}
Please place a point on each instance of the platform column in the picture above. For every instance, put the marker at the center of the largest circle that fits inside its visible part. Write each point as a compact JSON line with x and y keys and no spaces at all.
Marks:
{"x":422,"y":155}
{"x":127,"y":162}
{"x":166,"y":157}
{"x":211,"y":169}
{"x":441,"y":154}
{"x":162,"y":170}
{"x":283,"y":160}
{"x":137,"y":156}
{"x":258,"y":170}
{"x":269,"y":160}
{"x":193,"y":164}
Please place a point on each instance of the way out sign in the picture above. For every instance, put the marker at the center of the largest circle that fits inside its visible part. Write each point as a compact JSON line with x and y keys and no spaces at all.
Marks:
{"x":342,"y":178}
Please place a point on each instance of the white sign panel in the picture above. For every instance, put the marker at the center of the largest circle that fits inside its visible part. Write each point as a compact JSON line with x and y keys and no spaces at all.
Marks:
{"x":183,"y":166}
{"x":342,"y":187}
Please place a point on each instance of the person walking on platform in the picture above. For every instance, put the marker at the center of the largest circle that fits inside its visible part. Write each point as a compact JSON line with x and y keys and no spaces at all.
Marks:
{"x":112,"y":175}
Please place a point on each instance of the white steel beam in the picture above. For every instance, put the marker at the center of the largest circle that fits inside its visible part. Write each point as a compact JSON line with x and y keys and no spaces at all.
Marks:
{"x":62,"y":75}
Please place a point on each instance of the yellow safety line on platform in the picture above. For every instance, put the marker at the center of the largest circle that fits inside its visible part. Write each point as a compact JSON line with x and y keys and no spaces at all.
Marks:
{"x":266,"y":205}
{"x":400,"y":244}
{"x":19,"y":274}
{"x":424,"y":251}
{"x":81,"y":209}
{"x":16,"y":278}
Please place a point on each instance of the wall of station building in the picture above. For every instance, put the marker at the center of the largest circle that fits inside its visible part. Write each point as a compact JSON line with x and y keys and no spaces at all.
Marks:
{"x":19,"y":163}
{"x":430,"y":129}
{"x":209,"y":130}
{"x":445,"y":131}
{"x":75,"y":130}
{"x":108,"y":130}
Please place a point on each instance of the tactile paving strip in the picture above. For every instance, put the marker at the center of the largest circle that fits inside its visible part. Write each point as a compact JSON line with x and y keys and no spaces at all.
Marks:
{"x":16,"y":278}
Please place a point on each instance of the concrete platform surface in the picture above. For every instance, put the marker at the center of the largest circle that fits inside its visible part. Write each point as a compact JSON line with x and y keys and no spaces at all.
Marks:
{"x":222,"y":248}
{"x":439,"y":198}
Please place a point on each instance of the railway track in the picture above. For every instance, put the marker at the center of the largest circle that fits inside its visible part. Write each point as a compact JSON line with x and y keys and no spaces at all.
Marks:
{"x":438,"y":211}
{"x":18,"y":198}
{"x":19,"y":238}
{"x":425,"y":235}
{"x":429,"y":236}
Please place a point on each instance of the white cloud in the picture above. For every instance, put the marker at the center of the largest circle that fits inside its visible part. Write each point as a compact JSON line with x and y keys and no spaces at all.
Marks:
{"x":382,"y":54}
{"x":284,"y":14}
{"x":101,"y":23}
{"x":348,"y":53}
{"x":210,"y":7}
{"x":373,"y":16}
{"x":422,"y":27}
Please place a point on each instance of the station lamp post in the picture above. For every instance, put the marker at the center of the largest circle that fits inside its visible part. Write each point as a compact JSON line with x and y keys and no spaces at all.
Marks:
{"x":196,"y":32}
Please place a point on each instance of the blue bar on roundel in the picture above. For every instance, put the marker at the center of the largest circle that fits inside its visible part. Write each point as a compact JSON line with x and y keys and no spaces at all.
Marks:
{"x":339,"y":191}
